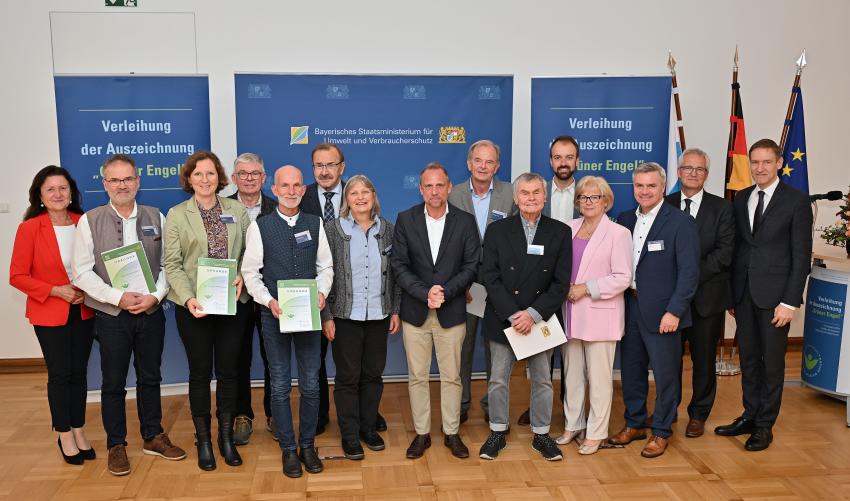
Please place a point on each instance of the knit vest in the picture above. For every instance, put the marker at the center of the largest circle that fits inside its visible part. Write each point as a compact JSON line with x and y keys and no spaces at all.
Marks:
{"x":107,"y":231}
{"x":283,"y":257}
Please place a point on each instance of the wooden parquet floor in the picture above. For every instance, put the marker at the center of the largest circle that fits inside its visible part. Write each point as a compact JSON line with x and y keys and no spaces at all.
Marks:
{"x":809,"y":459}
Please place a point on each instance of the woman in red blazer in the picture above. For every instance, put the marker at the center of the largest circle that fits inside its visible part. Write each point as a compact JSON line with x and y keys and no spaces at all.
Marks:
{"x":41,"y":269}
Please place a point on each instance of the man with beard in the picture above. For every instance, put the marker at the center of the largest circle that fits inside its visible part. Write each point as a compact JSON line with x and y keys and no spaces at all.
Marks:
{"x":289,"y":244}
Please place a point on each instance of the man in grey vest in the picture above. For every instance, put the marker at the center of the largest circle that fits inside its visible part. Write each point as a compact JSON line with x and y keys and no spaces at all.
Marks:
{"x":289,"y":244}
{"x":488,"y":199}
{"x":126,"y":323}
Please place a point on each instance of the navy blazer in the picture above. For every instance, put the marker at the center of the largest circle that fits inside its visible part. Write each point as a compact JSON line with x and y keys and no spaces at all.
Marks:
{"x":311,"y":204}
{"x":716,"y":226}
{"x":775,"y":262}
{"x":516,"y":280}
{"x":456,"y":267}
{"x":667,"y":279}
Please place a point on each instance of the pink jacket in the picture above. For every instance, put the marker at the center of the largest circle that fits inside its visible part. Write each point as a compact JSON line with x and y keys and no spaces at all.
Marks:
{"x":606,"y":269}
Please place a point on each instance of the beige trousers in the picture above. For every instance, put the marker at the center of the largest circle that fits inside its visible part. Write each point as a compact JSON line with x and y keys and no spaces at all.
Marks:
{"x":448,"y":344}
{"x":589,"y":367}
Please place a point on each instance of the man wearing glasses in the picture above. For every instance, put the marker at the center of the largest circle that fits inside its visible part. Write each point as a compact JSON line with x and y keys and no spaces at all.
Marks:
{"x":323,"y":198}
{"x":126,"y":323}
{"x":716,"y":226}
{"x":249,"y":176}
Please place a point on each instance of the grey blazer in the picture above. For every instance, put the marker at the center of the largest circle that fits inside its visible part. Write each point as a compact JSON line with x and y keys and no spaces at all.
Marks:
{"x":339,"y":299}
{"x":502,"y":199}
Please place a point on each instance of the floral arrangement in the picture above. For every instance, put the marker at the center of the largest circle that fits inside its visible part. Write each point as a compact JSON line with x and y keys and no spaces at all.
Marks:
{"x":839,"y":233}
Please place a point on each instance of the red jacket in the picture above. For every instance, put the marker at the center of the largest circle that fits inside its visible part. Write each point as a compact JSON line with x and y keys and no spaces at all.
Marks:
{"x":36,"y":267}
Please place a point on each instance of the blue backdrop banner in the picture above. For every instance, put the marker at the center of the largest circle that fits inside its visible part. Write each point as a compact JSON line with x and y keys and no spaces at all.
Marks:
{"x":388,"y":127}
{"x":826,"y":361}
{"x":619,"y":122}
{"x":159,"y":121}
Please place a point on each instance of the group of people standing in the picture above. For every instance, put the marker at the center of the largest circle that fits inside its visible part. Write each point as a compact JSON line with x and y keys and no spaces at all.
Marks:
{"x":657,"y":277}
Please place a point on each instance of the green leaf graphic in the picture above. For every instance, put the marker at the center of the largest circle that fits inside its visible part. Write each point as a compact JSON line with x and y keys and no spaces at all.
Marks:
{"x":811,"y":362}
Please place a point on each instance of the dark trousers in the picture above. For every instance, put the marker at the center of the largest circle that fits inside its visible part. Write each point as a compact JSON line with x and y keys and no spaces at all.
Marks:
{"x":466,"y":358}
{"x":360,"y":355}
{"x":639,"y":348}
{"x":702,"y":338}
{"x":762,"y":348}
{"x":66,"y":350}
{"x":250,"y":317}
{"x":280,"y":347}
{"x":121,"y":337}
{"x":324,"y":391}
{"x":210,"y":342}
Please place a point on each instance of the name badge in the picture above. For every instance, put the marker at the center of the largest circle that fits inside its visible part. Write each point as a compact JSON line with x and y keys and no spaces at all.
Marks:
{"x":496,"y":215}
{"x":302,"y":237}
{"x":227,"y":219}
{"x":388,"y":250}
{"x":535,"y":250}
{"x":149,"y":231}
{"x":655,"y":246}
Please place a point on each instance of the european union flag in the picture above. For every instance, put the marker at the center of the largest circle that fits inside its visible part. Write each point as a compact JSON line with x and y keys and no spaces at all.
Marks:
{"x":795,"y":170}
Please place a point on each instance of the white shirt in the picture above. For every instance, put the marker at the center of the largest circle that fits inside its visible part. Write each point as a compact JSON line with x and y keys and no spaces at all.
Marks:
{"x":754,"y":199}
{"x":563,"y":202}
{"x":336,"y":200}
{"x":90,"y":282}
{"x":435,"y":229}
{"x":252,"y":261}
{"x":253,"y":212}
{"x":696,"y":201}
{"x":642,"y":226}
{"x":65,"y":239}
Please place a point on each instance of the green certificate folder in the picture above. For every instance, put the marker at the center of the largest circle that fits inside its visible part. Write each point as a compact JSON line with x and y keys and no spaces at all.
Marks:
{"x":216,"y":291}
{"x":299,"y":305}
{"x":128,"y":269}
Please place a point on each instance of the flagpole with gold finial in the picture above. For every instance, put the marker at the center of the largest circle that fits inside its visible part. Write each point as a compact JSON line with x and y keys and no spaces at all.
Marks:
{"x":732,"y":130}
{"x":671,"y":63}
{"x":792,"y":101}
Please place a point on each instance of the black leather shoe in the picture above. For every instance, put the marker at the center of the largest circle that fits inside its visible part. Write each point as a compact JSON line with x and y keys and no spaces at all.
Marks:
{"x":456,"y":445}
{"x":352,"y":450}
{"x":310,"y":458}
{"x":759,"y":440}
{"x":226,"y":446}
{"x":76,"y":459}
{"x":88,"y":454}
{"x":372,"y":440}
{"x":418,"y":446}
{"x":291,"y":464}
{"x":380,"y":423}
{"x":203,"y":441}
{"x":739,"y":426}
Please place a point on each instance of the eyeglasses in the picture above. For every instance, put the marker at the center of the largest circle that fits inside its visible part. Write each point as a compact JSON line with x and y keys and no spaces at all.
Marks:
{"x":687,"y":169}
{"x":481,"y":161}
{"x":326,"y":166}
{"x":256,"y":174}
{"x":589,"y":199}
{"x":114,"y":181}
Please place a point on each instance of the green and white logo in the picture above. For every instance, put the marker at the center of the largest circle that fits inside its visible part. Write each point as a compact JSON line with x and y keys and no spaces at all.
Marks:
{"x":812,"y":361}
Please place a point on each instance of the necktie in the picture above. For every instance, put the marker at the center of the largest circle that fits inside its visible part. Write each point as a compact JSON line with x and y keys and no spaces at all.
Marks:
{"x":759,"y":211}
{"x":688,"y":206}
{"x":329,"y":207}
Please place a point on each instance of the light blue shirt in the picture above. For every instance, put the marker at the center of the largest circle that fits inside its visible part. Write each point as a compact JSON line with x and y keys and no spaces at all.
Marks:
{"x":365,"y":256}
{"x":481,"y":204}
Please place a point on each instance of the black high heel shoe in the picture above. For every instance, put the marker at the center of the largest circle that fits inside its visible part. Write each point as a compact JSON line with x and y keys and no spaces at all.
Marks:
{"x":76,"y":459}
{"x":88,"y":454}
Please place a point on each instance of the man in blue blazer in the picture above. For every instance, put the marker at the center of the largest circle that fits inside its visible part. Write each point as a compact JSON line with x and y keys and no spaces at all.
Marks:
{"x":658,"y":306}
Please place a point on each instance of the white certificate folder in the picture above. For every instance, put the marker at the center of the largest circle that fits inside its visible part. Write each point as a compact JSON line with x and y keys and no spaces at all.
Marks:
{"x":544,"y":335}
{"x":299,"y":305}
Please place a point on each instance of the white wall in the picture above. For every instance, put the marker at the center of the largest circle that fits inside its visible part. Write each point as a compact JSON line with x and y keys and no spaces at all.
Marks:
{"x":539,"y":38}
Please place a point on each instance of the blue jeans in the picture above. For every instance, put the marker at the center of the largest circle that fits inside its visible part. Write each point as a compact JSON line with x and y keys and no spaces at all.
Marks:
{"x":279,"y":353}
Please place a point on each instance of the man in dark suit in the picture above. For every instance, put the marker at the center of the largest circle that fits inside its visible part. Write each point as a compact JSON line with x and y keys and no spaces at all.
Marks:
{"x":489,"y":200}
{"x":665,"y":247}
{"x":435,"y":259}
{"x":716,"y":227}
{"x":249,"y":175}
{"x":773,"y":252}
{"x":526,"y":270}
{"x":323,"y":198}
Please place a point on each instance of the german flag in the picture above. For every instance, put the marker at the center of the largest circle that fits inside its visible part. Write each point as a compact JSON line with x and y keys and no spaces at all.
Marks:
{"x":737,"y":162}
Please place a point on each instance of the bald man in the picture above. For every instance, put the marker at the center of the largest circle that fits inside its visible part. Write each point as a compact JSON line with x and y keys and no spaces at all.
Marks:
{"x":289,"y":244}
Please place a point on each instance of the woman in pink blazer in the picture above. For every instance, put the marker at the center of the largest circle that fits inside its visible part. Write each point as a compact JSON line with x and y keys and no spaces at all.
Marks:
{"x":594,"y":313}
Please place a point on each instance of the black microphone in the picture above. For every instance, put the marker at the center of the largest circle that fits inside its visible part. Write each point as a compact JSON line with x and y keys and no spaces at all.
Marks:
{"x":832,"y":195}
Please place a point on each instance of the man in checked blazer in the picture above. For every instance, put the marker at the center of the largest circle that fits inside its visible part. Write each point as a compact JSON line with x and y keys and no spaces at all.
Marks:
{"x":773,"y":253}
{"x":716,"y":227}
{"x":489,"y":200}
